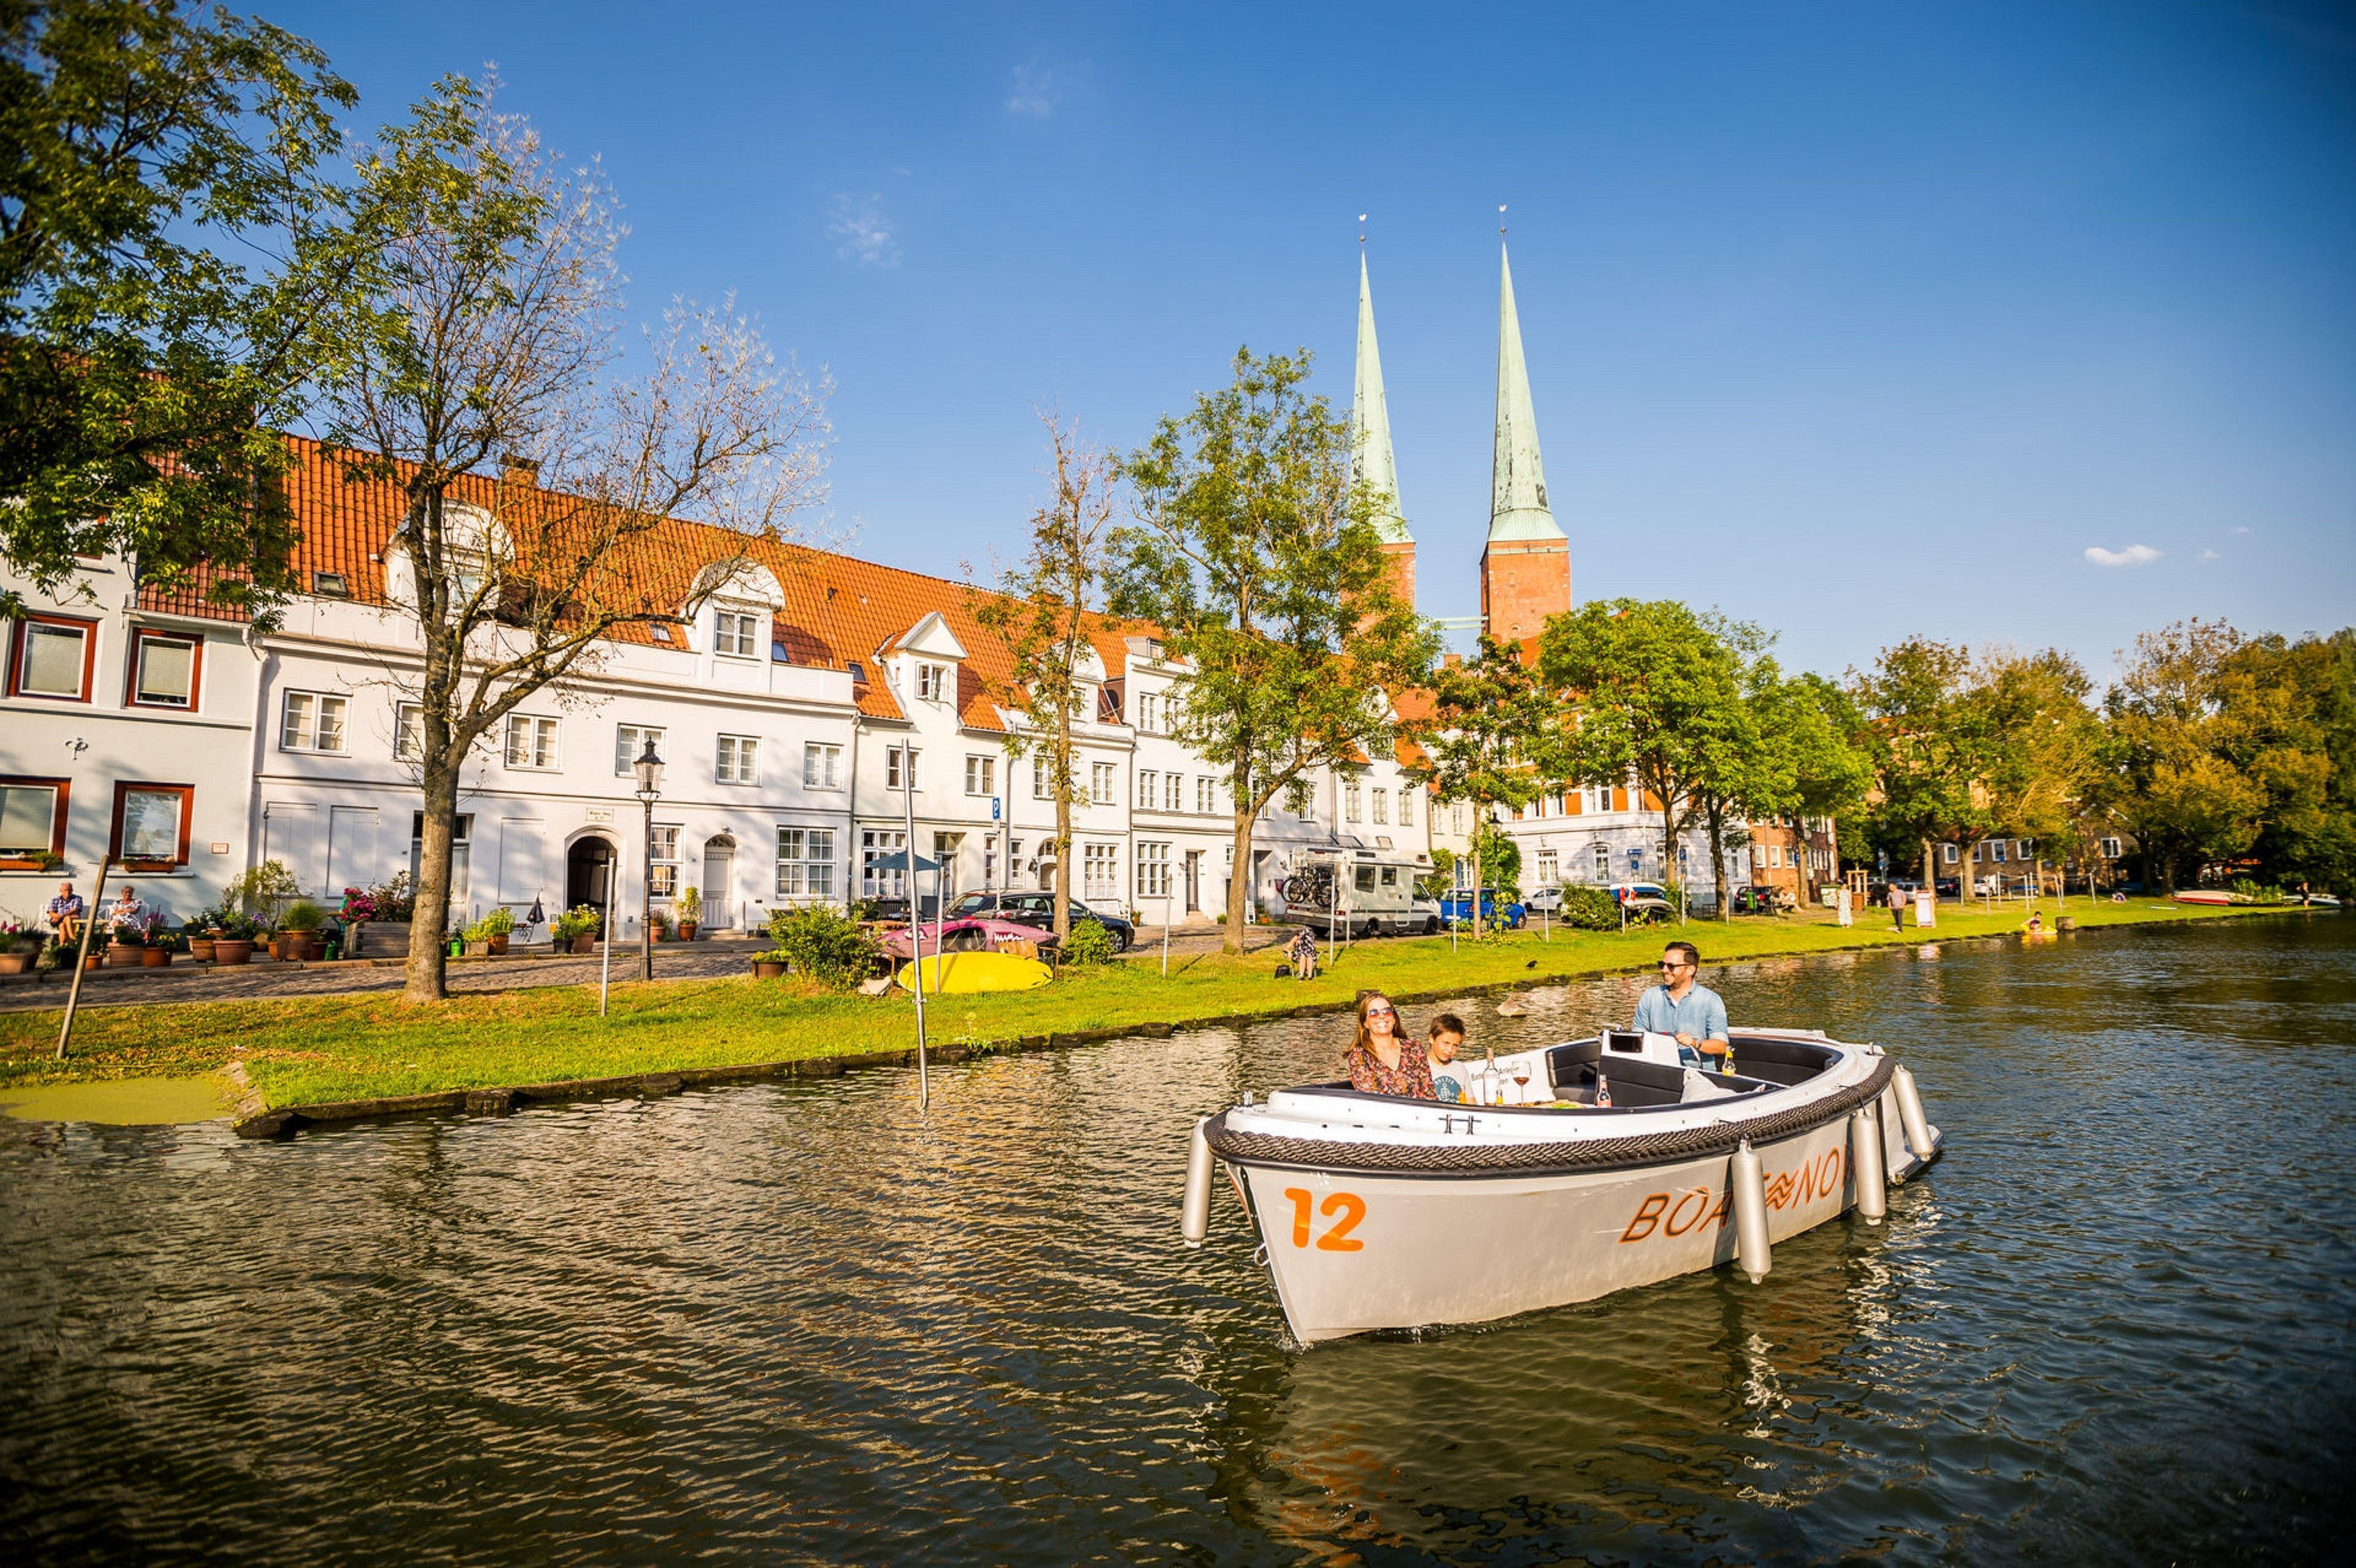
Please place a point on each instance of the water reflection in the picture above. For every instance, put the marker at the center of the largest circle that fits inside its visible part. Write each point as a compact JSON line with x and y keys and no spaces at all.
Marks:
{"x":799,"y":1322}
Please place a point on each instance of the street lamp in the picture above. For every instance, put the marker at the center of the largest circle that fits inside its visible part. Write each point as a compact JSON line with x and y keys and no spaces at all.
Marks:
{"x":649,"y":767}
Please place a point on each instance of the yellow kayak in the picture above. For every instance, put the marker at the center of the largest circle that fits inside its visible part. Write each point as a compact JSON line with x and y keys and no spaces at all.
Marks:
{"x":976,"y":972}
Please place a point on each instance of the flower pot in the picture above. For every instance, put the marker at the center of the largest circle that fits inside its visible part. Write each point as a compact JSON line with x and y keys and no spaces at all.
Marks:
{"x":478,"y":950}
{"x":201,"y":948}
{"x":768,"y":969}
{"x":232,"y":950}
{"x":687,"y":930}
{"x":380,"y":939}
{"x":95,"y":960}
{"x":16,"y":962}
{"x":584,"y":944}
{"x":125,"y":957}
{"x":155,"y":957}
{"x":499,"y":946}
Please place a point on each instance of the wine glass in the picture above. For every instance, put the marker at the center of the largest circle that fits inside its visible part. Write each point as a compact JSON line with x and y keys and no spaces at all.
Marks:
{"x":1522,"y":1078}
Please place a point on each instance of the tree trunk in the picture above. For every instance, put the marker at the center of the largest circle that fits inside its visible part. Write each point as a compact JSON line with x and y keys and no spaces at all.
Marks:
{"x":1718,"y":863}
{"x":1062,"y":920}
{"x":1478,"y":879}
{"x":1239,"y":875}
{"x":429,"y":931}
{"x":1931,"y":870}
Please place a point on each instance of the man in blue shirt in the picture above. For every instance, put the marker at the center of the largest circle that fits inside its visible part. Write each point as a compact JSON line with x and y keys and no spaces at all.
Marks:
{"x":1695,"y":1015}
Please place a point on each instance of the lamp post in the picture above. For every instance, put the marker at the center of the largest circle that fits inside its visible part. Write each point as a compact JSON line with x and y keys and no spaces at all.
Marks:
{"x":649,"y":767}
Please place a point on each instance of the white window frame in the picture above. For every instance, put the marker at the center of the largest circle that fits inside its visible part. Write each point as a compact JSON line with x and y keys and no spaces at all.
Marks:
{"x":1149,"y":789}
{"x":1379,"y":803}
{"x":875,"y":844}
{"x":1173,"y":792}
{"x":893,"y":767}
{"x":932,"y":681}
{"x":1406,"y":806}
{"x":980,"y":773}
{"x":805,"y":863}
{"x":1152,"y":870}
{"x":408,"y":731}
{"x":144,"y":638}
{"x":662,"y":861}
{"x":821,"y":765}
{"x":1104,"y":785}
{"x":735,"y":632}
{"x":315,"y":727}
{"x":2112,"y":849}
{"x":1100,"y":873}
{"x":540,"y":735}
{"x":1039,"y":772}
{"x":736,"y":759}
{"x":629,"y":744}
{"x":1206,"y":794}
{"x":1352,"y":801}
{"x":1948,"y":855}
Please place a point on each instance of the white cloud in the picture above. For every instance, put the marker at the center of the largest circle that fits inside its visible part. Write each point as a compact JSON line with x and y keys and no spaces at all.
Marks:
{"x":2211,"y":555}
{"x":1035,"y":93}
{"x":2133,"y":555}
{"x":2242,"y":529}
{"x":861,"y":231}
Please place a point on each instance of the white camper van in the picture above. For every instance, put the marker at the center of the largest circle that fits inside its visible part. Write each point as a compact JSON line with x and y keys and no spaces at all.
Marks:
{"x":1359,"y":892}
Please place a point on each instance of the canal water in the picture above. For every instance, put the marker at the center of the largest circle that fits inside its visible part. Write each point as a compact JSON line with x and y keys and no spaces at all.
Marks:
{"x":799,"y":1323}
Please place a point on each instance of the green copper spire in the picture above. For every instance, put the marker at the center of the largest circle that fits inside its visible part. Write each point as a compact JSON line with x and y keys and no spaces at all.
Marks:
{"x":1517,"y":491}
{"x":1370,"y":420}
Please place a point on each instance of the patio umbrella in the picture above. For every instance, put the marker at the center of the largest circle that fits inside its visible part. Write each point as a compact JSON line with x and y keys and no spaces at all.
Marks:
{"x":898,"y":861}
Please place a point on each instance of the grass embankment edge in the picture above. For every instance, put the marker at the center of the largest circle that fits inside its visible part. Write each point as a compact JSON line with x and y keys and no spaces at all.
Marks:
{"x":334,"y":1058}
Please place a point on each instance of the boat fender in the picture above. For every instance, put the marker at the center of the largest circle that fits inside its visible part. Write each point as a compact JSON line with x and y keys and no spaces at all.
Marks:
{"x":1910,"y":1114}
{"x":1194,"y":1218}
{"x":1748,"y":1182}
{"x":1867,"y":1173}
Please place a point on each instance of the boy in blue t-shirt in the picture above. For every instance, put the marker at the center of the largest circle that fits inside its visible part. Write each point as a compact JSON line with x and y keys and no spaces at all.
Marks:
{"x":1445,"y":1038}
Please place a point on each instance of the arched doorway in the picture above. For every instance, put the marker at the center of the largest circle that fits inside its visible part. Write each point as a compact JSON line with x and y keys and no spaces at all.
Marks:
{"x":588,"y":873}
{"x":718,"y":888}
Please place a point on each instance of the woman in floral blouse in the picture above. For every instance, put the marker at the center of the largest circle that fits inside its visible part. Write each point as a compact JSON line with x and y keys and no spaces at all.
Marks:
{"x":1383,"y":1060}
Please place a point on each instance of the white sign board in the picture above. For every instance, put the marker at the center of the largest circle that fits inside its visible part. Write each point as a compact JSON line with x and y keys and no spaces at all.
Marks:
{"x":1926,"y":908}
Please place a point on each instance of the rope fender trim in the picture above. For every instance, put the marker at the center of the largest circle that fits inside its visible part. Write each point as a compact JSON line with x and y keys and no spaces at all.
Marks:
{"x":1586,"y":1154}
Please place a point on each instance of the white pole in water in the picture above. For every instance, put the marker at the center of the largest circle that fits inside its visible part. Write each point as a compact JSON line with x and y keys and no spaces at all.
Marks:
{"x":1867,"y":1173}
{"x":1910,"y":1112}
{"x":605,"y":962}
{"x":1195,"y":1216}
{"x":1748,"y":1182}
{"x":916,"y":910}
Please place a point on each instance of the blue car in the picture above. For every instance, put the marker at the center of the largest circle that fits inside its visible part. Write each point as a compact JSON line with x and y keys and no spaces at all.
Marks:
{"x":1456,"y":907}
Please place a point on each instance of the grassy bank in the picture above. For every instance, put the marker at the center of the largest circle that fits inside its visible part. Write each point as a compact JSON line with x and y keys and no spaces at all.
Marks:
{"x":310,"y":1050}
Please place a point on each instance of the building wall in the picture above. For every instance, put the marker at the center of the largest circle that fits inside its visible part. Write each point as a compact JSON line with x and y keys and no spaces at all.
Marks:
{"x":98,"y":744}
{"x":1522,"y":584}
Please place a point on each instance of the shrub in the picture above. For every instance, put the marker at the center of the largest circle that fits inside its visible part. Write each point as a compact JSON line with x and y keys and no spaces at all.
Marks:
{"x":690,"y":904}
{"x":497,"y":923}
{"x":302,"y":915}
{"x":394,"y":901}
{"x":823,"y":945}
{"x":1089,"y":942}
{"x":581,"y":920}
{"x":1589,"y":909}
{"x":259,"y":892}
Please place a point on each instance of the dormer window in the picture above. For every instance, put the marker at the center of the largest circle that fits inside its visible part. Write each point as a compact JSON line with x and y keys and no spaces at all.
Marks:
{"x":736,"y":633}
{"x":661,"y":633}
{"x":330,"y":585}
{"x":932,"y":682}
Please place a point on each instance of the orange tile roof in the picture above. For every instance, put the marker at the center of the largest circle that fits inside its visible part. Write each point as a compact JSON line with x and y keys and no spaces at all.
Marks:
{"x":840,"y":612}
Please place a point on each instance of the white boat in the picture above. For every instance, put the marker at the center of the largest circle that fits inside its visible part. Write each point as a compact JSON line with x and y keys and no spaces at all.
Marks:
{"x":1378,"y":1212}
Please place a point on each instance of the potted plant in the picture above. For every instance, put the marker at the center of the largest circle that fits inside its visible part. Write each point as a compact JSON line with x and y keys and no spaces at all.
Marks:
{"x":691,"y":910}
{"x":771,"y":963}
{"x":488,"y":937}
{"x":299,"y":932}
{"x":156,"y":944}
{"x":197,"y":933}
{"x":658,"y":925}
{"x":383,"y":933}
{"x":575,"y":931}
{"x":232,"y":938}
{"x":20,"y":947}
{"x":126,"y":948}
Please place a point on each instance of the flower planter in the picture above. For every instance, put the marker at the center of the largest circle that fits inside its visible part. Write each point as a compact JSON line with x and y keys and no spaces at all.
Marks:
{"x":687,"y":930}
{"x":380,"y":939}
{"x":95,"y":960}
{"x":125,"y":957}
{"x":200,"y":949}
{"x":155,"y":957}
{"x":16,"y":962}
{"x":584,"y":944}
{"x":232,"y":950}
{"x":478,"y":950}
{"x":499,"y":945}
{"x":768,"y":969}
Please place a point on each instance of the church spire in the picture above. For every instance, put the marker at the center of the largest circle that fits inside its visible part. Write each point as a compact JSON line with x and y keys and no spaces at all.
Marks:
{"x":1370,"y":418}
{"x":1517,"y":491}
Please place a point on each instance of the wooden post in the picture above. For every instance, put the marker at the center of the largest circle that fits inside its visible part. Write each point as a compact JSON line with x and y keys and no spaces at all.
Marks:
{"x":81,"y":960}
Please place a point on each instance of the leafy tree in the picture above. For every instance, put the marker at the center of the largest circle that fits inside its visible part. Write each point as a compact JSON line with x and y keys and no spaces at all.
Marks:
{"x":1931,"y":747}
{"x":482,"y":329}
{"x":1255,"y":553}
{"x":146,"y":145}
{"x":1655,"y":688}
{"x":1490,"y":731}
{"x":2048,"y":782}
{"x":1042,"y":611}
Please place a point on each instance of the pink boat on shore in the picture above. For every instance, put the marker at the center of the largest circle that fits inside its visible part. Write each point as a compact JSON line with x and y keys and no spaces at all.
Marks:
{"x":2204,"y":896}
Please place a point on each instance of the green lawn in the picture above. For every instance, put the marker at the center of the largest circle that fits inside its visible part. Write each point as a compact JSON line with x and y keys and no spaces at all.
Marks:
{"x":313,"y":1049}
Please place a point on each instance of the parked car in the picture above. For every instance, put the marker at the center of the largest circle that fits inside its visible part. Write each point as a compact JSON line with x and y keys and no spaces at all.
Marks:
{"x":1752,"y":899}
{"x":1038,"y":912}
{"x":1545,"y":900}
{"x":965,"y":934}
{"x":1456,"y":908}
{"x":1644,"y":904}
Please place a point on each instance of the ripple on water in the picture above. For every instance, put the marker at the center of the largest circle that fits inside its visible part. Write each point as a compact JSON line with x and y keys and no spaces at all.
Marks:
{"x":799,"y":1322}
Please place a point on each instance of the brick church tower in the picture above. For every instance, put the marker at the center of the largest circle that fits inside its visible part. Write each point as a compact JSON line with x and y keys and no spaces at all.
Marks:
{"x":1370,"y":445}
{"x":1526,"y":569}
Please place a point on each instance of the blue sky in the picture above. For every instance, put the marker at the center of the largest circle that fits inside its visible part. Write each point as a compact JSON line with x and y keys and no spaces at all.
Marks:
{"x":1856,"y":320}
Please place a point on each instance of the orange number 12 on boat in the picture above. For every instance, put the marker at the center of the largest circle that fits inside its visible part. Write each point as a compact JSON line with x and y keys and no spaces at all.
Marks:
{"x":1348,"y":1206}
